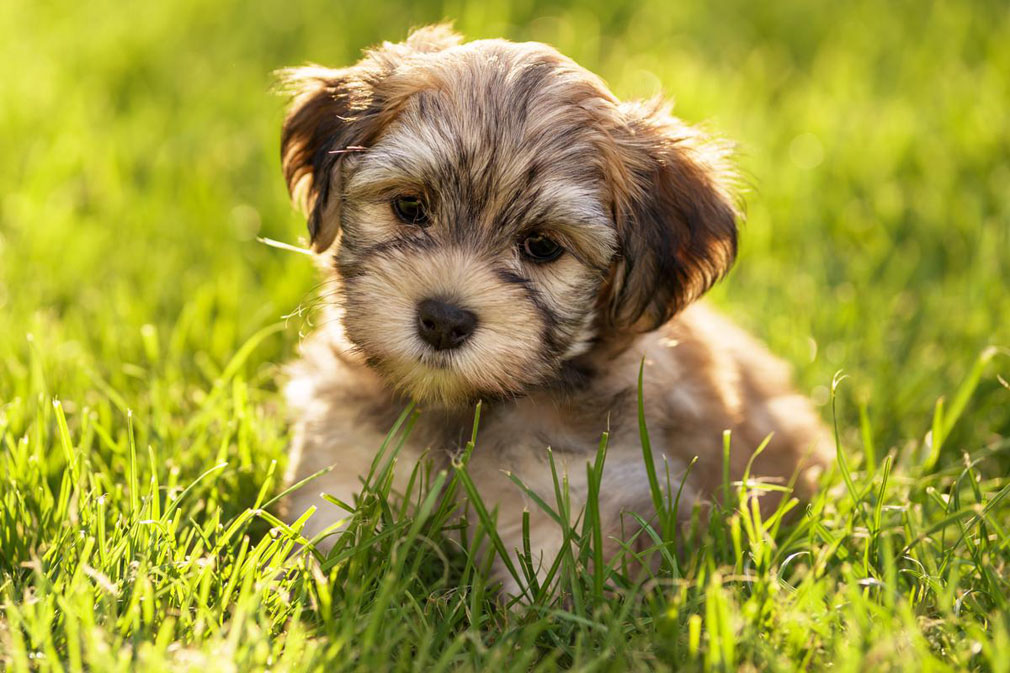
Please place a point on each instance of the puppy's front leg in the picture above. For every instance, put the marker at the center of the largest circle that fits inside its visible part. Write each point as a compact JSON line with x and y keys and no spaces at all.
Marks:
{"x":330,"y":440}
{"x":624,"y":490}
{"x":546,"y":535}
{"x":490,"y":472}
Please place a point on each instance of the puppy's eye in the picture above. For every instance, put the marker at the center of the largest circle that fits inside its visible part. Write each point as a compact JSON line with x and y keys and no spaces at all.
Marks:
{"x":411,"y":210}
{"x":541,"y":248}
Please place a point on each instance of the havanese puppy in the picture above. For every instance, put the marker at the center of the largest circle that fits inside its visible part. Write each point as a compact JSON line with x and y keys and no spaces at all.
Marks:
{"x":499,"y":227}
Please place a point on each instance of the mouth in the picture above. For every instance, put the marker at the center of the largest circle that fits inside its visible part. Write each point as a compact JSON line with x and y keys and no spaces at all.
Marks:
{"x":423,"y":373}
{"x":438,"y":360}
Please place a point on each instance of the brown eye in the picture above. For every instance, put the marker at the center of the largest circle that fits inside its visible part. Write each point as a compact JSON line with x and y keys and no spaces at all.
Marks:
{"x":410,"y":210}
{"x":541,"y":249}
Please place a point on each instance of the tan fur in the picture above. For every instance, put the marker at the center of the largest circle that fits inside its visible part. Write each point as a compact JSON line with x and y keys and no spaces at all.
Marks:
{"x":501,"y":141}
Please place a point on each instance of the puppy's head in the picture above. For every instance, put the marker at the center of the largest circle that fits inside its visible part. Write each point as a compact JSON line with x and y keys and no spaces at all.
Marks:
{"x":492,"y":212}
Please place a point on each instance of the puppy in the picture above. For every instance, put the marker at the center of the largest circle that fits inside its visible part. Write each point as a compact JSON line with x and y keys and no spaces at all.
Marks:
{"x":499,"y":227}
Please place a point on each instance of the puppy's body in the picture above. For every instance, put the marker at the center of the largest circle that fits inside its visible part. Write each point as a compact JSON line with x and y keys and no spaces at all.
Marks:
{"x":500,"y":227}
{"x":702,"y":375}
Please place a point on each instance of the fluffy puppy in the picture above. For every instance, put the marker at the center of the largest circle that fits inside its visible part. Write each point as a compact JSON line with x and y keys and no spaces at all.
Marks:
{"x":499,"y":227}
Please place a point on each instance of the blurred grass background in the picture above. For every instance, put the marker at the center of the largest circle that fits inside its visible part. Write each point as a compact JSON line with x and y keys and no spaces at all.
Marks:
{"x":140,"y":161}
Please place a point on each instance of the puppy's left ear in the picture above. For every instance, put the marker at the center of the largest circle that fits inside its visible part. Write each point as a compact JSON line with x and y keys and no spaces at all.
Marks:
{"x":676,"y":216}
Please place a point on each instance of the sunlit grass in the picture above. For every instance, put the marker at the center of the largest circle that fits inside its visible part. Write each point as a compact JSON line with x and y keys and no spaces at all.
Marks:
{"x":900,"y":564}
{"x":142,"y":330}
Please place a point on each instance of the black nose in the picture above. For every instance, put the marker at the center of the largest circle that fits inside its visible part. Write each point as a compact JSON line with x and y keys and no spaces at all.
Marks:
{"x":443,"y":325}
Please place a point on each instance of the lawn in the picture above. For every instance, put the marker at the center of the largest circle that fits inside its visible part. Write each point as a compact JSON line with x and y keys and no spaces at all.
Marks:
{"x":143,"y":329}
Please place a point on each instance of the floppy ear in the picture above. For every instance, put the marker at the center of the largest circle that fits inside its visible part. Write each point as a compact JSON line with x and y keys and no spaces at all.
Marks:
{"x":675,"y":213}
{"x":334,"y":114}
{"x":327,"y":119}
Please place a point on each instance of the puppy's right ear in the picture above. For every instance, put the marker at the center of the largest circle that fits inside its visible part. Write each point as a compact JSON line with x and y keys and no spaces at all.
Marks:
{"x":335,"y":114}
{"x":331,"y":115}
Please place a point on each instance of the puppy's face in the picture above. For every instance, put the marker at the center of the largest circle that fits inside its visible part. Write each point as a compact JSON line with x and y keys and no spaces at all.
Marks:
{"x":492,"y":212}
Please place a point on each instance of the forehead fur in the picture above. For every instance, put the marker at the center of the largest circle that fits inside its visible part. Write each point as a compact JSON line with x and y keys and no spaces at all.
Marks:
{"x":500,"y":90}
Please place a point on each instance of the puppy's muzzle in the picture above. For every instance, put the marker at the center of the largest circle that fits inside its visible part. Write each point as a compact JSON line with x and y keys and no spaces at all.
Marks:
{"x":444,"y":326}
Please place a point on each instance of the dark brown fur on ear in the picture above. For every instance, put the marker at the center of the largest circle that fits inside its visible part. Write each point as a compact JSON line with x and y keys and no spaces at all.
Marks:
{"x":335,"y":113}
{"x":676,"y":218}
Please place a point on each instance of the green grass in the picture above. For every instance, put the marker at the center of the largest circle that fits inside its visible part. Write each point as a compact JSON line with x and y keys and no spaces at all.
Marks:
{"x":142,"y":329}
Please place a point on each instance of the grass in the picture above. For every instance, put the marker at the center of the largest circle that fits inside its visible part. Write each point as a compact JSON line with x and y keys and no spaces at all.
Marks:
{"x":142,"y":328}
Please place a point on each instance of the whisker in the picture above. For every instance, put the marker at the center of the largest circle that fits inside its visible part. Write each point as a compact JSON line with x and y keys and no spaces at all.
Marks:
{"x":280,"y":245}
{"x":349,"y":149}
